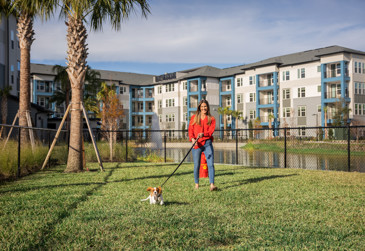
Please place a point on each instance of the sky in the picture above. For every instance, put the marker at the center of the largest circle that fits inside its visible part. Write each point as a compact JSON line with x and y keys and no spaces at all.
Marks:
{"x":179,"y":35}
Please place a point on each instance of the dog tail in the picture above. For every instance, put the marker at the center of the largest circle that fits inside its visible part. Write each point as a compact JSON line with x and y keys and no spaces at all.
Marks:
{"x":145,"y":199}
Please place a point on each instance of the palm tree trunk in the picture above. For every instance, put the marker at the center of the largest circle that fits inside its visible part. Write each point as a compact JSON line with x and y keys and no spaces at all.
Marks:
{"x":25,"y":34}
{"x":77,"y":53}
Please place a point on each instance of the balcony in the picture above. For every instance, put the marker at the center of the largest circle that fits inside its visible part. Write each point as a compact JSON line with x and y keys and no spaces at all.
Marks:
{"x":267,"y":101}
{"x":335,"y":94}
{"x":193,"y":86}
{"x":150,"y":93}
{"x":266,"y":82}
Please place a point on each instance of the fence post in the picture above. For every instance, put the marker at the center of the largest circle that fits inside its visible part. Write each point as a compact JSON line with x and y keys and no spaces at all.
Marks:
{"x":165,"y":138}
{"x":236,"y":146}
{"x":18,"y":172}
{"x":348,"y":148}
{"x":49,"y":147}
{"x":126,"y":146}
{"x":285,"y":164}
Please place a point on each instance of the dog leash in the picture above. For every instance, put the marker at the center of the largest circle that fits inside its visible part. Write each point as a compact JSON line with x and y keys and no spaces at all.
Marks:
{"x":181,"y":161}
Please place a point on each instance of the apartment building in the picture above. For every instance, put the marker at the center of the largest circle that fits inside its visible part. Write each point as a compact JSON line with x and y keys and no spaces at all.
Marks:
{"x":291,"y":90}
{"x":9,"y":54}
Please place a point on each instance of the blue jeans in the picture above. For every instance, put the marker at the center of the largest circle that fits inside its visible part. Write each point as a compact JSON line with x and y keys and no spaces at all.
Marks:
{"x":207,"y":149}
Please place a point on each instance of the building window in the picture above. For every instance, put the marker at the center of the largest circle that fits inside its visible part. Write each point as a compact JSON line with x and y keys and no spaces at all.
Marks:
{"x":185,"y":116}
{"x":286,"y":75}
{"x":338,"y":69}
{"x":286,"y":93}
{"x":228,"y":101}
{"x":252,"y":97}
{"x":319,"y":108}
{"x":301,"y":92}
{"x":170,"y":117}
{"x":252,"y":80}
{"x":286,"y":112}
{"x":160,"y":118}
{"x":252,"y":114}
{"x":159,"y":103}
{"x":170,"y":87}
{"x":355,"y":67}
{"x":170,"y":102}
{"x":228,"y":86}
{"x":122,"y":90}
{"x":12,"y":39}
{"x":301,"y":131}
{"x":229,"y":118}
{"x":159,"y":89}
{"x":185,"y":85}
{"x":301,"y":73}
{"x":185,"y":101}
{"x":301,"y":111}
{"x":239,"y":98}
{"x":239,"y":82}
{"x":319,"y":88}
{"x":319,"y":68}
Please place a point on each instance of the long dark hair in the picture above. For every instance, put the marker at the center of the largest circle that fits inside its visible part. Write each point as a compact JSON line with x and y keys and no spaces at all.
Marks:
{"x":198,"y":113}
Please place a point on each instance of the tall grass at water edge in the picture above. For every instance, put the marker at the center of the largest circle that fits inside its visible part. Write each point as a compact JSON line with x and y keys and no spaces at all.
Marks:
{"x":255,"y":209}
{"x":31,"y":161}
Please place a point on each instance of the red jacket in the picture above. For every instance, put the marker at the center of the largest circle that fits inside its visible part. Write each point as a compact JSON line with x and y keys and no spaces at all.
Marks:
{"x":195,"y":129}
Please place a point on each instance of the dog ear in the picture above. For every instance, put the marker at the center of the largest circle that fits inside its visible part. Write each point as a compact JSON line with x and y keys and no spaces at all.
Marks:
{"x":149,"y":189}
{"x":159,"y":190}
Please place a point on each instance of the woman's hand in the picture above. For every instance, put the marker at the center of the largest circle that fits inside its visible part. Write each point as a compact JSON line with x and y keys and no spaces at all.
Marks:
{"x":200,"y":135}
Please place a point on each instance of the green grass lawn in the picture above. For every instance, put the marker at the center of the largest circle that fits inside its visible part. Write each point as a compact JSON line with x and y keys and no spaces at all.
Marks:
{"x":255,"y":208}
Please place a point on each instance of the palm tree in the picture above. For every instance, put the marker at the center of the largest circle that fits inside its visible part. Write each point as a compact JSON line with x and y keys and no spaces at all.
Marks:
{"x":237,"y":115}
{"x":63,"y":94}
{"x":25,"y":11}
{"x":4,"y":93}
{"x":97,"y":11}
{"x":225,"y":111}
{"x":271,"y":117}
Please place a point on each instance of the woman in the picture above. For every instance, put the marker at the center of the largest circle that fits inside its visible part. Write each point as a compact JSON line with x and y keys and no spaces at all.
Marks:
{"x":201,"y":129}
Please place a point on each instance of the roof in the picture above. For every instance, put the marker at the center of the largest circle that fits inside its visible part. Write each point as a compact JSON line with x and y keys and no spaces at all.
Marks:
{"x":33,"y":105}
{"x":129,"y":78}
{"x":290,"y":59}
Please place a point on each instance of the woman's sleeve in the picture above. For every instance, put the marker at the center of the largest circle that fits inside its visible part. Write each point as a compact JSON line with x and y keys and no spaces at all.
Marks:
{"x":211,"y":128}
{"x":191,"y":128}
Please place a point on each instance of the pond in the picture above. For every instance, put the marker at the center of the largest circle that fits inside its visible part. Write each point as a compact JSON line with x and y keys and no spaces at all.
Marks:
{"x":272,"y":159}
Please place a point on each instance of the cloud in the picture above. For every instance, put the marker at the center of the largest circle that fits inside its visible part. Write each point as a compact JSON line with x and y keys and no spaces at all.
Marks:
{"x":215,"y":32}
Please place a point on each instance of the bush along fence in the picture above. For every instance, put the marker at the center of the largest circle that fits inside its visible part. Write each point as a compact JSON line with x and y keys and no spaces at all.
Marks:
{"x":317,"y":148}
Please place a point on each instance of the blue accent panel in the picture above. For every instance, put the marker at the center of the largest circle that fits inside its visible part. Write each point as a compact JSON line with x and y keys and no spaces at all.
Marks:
{"x":130,"y":109}
{"x":276,"y":104}
{"x":199,"y":93}
{"x":343,"y":79}
{"x":35,"y":91}
{"x":233,"y":99}
{"x":323,"y":91}
{"x":220,"y":105}
{"x":257,"y":96}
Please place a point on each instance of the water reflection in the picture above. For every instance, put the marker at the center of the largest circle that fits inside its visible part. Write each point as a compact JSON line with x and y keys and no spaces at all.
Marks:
{"x":272,"y":159}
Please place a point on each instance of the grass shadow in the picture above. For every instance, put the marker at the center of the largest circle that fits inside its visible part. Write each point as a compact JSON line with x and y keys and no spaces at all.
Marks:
{"x":254,"y":180}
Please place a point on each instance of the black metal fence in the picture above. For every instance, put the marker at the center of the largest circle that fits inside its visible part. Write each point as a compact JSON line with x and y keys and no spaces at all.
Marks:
{"x":316,"y":148}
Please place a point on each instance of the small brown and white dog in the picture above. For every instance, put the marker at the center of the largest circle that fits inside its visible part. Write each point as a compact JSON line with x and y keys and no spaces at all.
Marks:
{"x":155,"y":196}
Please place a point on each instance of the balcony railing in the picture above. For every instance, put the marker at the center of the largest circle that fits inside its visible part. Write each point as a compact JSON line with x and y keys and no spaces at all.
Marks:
{"x":266,"y":82}
{"x":266,"y":101}
{"x":337,"y":94}
{"x":334,"y":74}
